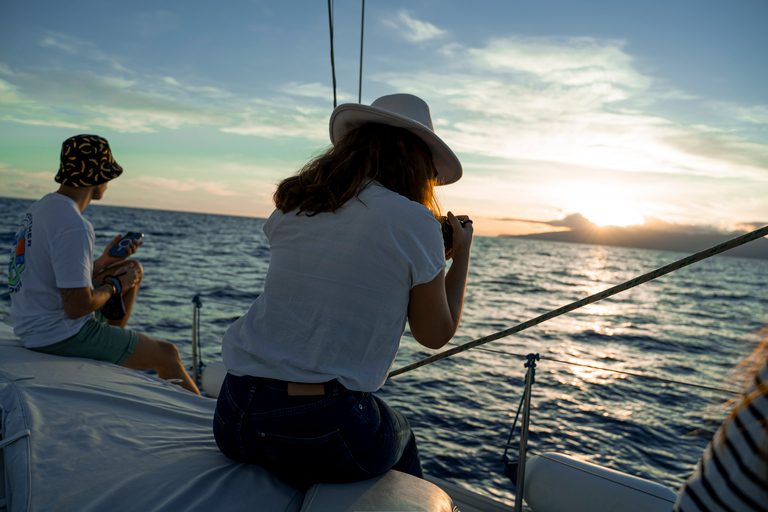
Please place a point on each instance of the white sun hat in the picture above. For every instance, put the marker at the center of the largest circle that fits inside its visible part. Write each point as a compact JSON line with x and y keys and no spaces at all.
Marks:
{"x":402,"y":111}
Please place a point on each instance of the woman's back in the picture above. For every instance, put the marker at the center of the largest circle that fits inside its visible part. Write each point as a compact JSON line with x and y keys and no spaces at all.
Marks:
{"x":337,"y":291}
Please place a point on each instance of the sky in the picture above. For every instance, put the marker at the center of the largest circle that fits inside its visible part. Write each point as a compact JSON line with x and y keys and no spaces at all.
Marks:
{"x":623,"y":113}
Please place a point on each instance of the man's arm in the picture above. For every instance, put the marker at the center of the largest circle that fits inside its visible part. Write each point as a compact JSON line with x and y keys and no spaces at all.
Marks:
{"x":79,"y":302}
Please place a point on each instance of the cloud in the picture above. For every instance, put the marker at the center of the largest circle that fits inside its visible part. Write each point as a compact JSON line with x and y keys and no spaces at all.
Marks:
{"x":58,"y":43}
{"x":19,"y":183}
{"x":572,"y":62}
{"x":84,"y":49}
{"x":313,"y":90}
{"x":187,"y":185}
{"x":272,"y":119}
{"x":133,"y":120}
{"x":43,"y":122}
{"x":131,"y":102}
{"x":757,"y":114}
{"x":571,"y":221}
{"x":204,"y":91}
{"x":6,"y":70}
{"x":9,"y":94}
{"x":413,"y":30}
{"x":652,"y":234}
{"x":578,"y":102}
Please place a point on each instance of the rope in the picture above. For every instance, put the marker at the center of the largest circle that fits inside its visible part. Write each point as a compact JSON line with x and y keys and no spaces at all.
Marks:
{"x":360,"y":85}
{"x":333,"y":65}
{"x":706,"y":253}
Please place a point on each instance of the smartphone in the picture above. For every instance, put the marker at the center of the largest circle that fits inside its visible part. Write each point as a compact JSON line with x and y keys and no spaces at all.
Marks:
{"x":120,"y":248}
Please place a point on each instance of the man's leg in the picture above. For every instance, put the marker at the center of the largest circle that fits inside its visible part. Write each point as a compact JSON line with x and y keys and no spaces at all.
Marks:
{"x":162,"y":357}
{"x":129,"y":296}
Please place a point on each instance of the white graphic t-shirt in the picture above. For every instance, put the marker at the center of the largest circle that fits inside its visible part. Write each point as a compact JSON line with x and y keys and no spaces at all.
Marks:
{"x":52,"y":249}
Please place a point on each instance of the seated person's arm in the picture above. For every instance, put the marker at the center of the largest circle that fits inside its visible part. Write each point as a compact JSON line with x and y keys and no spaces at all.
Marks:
{"x":434,"y":308}
{"x":79,"y":302}
{"x":430,"y":317}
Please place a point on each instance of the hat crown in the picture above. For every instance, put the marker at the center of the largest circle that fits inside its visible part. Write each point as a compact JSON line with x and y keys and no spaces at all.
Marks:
{"x":86,"y":161}
{"x":400,"y":111}
{"x":406,"y":105}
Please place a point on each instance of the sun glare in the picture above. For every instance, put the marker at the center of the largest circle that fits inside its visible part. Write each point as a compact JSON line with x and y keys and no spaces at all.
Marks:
{"x":604,"y":205}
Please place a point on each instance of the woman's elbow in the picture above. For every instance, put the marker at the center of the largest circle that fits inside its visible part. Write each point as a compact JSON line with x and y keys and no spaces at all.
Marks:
{"x":435,"y":338}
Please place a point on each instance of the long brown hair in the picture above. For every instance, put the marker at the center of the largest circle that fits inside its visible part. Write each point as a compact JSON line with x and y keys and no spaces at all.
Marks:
{"x":748,"y":372}
{"x":394,"y":157}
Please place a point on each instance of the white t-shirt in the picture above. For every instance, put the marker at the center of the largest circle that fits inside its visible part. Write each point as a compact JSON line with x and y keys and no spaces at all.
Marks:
{"x":336,"y":294}
{"x":53,"y":249}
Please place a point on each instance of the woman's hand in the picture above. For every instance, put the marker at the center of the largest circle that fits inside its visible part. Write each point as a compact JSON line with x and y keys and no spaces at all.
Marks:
{"x":462,"y":236}
{"x":434,"y":308}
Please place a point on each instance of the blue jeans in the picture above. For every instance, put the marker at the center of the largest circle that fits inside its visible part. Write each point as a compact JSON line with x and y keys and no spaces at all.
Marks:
{"x":342,"y":436}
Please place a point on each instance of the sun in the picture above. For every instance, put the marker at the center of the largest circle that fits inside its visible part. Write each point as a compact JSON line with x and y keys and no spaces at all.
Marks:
{"x":612,"y":214}
{"x":604,"y":205}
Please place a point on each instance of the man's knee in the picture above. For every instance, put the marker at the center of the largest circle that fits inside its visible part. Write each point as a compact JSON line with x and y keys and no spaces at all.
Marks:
{"x":169,"y":351}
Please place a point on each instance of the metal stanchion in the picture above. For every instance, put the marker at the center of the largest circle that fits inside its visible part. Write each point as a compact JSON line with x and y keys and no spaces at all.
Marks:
{"x":529,"y":377}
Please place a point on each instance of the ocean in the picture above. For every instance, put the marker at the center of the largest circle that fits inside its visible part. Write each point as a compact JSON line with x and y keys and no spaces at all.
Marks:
{"x":666,"y":337}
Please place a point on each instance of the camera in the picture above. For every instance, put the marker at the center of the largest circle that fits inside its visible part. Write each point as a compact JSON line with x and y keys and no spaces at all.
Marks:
{"x":445,"y":224}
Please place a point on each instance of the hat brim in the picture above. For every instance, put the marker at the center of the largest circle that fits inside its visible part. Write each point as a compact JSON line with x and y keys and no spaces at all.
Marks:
{"x":349,"y":116}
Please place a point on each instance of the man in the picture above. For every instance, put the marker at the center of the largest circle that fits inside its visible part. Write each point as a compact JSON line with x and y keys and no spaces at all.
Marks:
{"x":59,"y":292}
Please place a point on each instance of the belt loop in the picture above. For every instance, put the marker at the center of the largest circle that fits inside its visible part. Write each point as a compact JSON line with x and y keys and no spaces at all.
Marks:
{"x":336,"y":385}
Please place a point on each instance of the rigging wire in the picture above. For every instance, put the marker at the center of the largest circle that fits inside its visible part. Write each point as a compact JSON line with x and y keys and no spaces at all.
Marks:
{"x":360,"y":83}
{"x":706,"y":253}
{"x":333,"y":65}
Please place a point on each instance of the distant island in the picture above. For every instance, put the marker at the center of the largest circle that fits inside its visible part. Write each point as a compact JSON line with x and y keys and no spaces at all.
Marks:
{"x":673,"y":238}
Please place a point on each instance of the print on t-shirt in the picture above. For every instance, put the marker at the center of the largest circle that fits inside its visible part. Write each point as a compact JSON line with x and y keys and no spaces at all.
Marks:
{"x":16,"y":266}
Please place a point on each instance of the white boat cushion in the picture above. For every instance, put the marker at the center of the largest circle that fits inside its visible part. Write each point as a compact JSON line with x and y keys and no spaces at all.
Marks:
{"x":102,"y":437}
{"x":90,"y":436}
{"x":392,"y":491}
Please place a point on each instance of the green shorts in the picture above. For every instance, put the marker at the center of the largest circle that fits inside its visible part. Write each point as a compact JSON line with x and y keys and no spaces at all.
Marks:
{"x":97,"y":340}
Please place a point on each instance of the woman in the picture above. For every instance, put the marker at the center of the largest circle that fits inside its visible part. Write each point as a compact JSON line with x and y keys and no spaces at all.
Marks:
{"x":732,"y":475}
{"x":354,"y":251}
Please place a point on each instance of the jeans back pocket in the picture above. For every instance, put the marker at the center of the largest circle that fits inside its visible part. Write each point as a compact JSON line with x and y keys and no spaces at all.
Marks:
{"x":304,"y":461}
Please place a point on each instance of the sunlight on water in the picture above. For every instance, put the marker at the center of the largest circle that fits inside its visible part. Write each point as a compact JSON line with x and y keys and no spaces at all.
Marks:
{"x":592,"y":375}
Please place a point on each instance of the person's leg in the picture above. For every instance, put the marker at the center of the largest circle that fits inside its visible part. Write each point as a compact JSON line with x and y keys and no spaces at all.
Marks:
{"x":395,"y":436}
{"x":162,"y":357}
{"x":129,"y":296}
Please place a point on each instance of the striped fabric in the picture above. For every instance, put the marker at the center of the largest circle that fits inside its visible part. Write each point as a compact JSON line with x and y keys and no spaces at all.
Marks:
{"x":732,"y":474}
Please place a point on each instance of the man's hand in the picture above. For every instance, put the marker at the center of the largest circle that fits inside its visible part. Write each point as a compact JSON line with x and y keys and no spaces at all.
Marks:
{"x":129,"y":275}
{"x":106,"y":259}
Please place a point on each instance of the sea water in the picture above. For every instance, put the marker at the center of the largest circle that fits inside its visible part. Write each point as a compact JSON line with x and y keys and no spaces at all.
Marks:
{"x":666,"y":337}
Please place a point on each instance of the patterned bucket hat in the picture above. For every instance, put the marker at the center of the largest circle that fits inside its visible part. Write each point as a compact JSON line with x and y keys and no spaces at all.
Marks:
{"x":86,"y":161}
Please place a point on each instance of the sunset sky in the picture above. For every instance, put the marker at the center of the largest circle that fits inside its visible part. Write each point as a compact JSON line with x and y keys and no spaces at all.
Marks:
{"x":623,"y":112}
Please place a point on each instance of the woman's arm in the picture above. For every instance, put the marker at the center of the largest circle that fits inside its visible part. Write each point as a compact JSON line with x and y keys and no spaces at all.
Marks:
{"x":434,"y":308}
